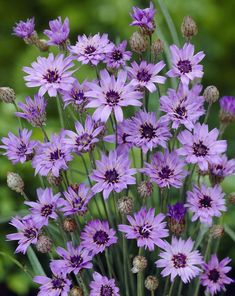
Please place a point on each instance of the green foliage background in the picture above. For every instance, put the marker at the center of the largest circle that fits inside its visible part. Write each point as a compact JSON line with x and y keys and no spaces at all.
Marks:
{"x":216,"y":37}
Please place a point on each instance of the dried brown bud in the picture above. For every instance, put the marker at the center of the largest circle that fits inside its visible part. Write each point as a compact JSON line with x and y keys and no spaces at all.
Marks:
{"x":145,"y":189}
{"x":54,"y":181}
{"x":217,"y":231}
{"x":151,"y":283}
{"x":189,"y":27}
{"x":148,"y":31}
{"x":176,"y":227}
{"x":69,"y":225}
{"x":76,"y":291}
{"x":139,"y":264}
{"x":7,"y":94}
{"x":125,"y":205}
{"x":157,"y":47}
{"x":138,"y":42}
{"x":211,"y":94}
{"x":15,"y":182}
{"x":44,"y":244}
{"x":231,"y":198}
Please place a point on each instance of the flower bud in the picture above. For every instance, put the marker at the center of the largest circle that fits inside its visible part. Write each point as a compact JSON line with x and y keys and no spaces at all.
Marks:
{"x":69,"y":225}
{"x":44,"y":244}
{"x":231,"y":198}
{"x":41,"y":44}
{"x":139,"y":264}
{"x":188,"y":27}
{"x":157,"y":47}
{"x":7,"y":94}
{"x":211,"y":94}
{"x":176,"y":218}
{"x":148,"y":31}
{"x":217,"y":231}
{"x":138,"y":42}
{"x":145,"y":189}
{"x":54,"y":181}
{"x":76,"y":291}
{"x":151,"y":283}
{"x":125,"y":205}
{"x":15,"y":182}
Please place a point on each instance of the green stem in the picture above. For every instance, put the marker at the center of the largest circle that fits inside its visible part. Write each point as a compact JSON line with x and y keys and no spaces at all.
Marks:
{"x":45,"y":134}
{"x":180,"y":288}
{"x":140,"y":278}
{"x":125,"y":267}
{"x":171,"y":289}
{"x":110,"y":269}
{"x":207,"y":113}
{"x":60,"y":111}
{"x":24,"y":195}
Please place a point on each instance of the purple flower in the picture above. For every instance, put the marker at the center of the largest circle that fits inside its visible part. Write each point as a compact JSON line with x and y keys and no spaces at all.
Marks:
{"x":178,"y":258}
{"x":51,"y":157}
{"x":91,"y":49}
{"x":97,"y":236}
{"x":45,"y":206}
{"x":146,"y":75}
{"x":214,"y":276}
{"x":76,"y":200}
{"x":118,"y":56}
{"x":59,"y":32}
{"x":28,"y":231}
{"x":176,"y":212}
{"x":113,"y":173}
{"x":166,"y":169}
{"x":222,"y":169}
{"x":24,"y":29}
{"x":102,"y":286}
{"x":146,"y":228}
{"x":183,"y":106}
{"x":146,"y":132}
{"x":19,"y":149}
{"x":34,"y":111}
{"x":206,"y":203}
{"x":73,"y":259}
{"x":227,"y":108}
{"x":85,"y":137}
{"x":58,"y":285}
{"x":144,"y":18}
{"x":185,"y":63}
{"x":201,"y":146}
{"x":112,"y":94}
{"x":51,"y":74}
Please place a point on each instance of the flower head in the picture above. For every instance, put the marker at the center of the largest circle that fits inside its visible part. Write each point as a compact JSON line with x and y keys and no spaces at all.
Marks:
{"x":111,"y":95}
{"x":102,"y":286}
{"x":227,"y":109}
{"x":176,"y":212}
{"x":24,"y":29}
{"x":91,"y":49}
{"x":185,"y":63}
{"x":201,"y":146}
{"x":19,"y":149}
{"x":166,"y":169}
{"x":34,"y":111}
{"x":214,"y":276}
{"x":178,"y":258}
{"x":97,"y":236}
{"x":113,"y":173}
{"x":146,"y":75}
{"x":51,"y":74}
{"x":206,"y":203}
{"x":59,"y":32}
{"x":118,"y":56}
{"x":146,"y":228}
{"x":222,"y":169}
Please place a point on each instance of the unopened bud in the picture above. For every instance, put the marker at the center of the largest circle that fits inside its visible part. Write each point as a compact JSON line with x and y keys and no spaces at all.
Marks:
{"x":147,"y":30}
{"x":145,"y":189}
{"x":138,"y":42}
{"x":139,"y":264}
{"x":7,"y":94}
{"x":189,"y":27}
{"x":151,"y":283}
{"x":217,"y":231}
{"x":41,"y":44}
{"x":211,"y":94}
{"x":15,"y":182}
{"x":44,"y":244}
{"x":76,"y":291}
{"x":53,"y":180}
{"x":125,"y":205}
{"x":69,"y":225}
{"x":157,"y":47}
{"x":231,"y":198}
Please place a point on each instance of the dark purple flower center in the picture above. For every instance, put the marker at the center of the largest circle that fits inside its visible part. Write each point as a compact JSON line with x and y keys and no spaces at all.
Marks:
{"x":147,"y":131}
{"x":180,"y":112}
{"x":101,"y":237}
{"x":179,"y":260}
{"x":145,"y":231}
{"x":30,"y":233}
{"x":58,"y":283}
{"x":76,"y":261}
{"x":77,"y":95}
{"x":117,"y":55}
{"x":77,"y":203}
{"x":205,"y":201}
{"x":106,"y":290}
{"x":111,"y":176}
{"x":46,"y":210}
{"x":143,"y":76}
{"x":214,"y":275}
{"x":56,"y":154}
{"x":184,"y":66}
{"x":112,"y":97}
{"x":84,"y":139}
{"x":165,"y":173}
{"x":22,"y":149}
{"x":90,"y":49}
{"x":200,"y":149}
{"x":51,"y":76}
{"x":124,"y":136}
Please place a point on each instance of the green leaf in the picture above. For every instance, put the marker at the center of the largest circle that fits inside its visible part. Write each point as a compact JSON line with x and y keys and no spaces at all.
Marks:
{"x":36,"y":265}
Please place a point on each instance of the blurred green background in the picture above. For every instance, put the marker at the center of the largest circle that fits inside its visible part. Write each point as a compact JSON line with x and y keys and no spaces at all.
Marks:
{"x":216,"y":37}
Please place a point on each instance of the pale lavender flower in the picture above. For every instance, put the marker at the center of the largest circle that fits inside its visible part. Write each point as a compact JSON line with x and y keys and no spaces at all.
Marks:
{"x":102,"y":286}
{"x":221,"y":169}
{"x":51,"y":74}
{"x":91,"y":49}
{"x":45,"y":207}
{"x":24,"y":29}
{"x":113,"y":173}
{"x":74,"y":259}
{"x":146,"y":132}
{"x":118,"y":56}
{"x":52,"y":157}
{"x":28,"y":232}
{"x":97,"y":236}
{"x":19,"y":149}
{"x":183,"y":106}
{"x":59,"y":31}
{"x":144,"y":18}
{"x":111,"y":95}
{"x":146,"y":228}
{"x":206,"y":203}
{"x":201,"y":146}
{"x":85,"y":137}
{"x":185,"y":63}
{"x":34,"y":111}
{"x":179,"y":258}
{"x":76,"y":200}
{"x":214,"y":276}
{"x":146,"y":75}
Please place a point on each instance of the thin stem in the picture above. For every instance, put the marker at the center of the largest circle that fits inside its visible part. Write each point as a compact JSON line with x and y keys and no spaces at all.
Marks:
{"x":60,"y":111}
{"x":125,"y":267}
{"x":140,"y":278}
{"x":24,"y":195}
{"x":207,"y":113}
{"x":171,"y":289}
{"x":19,"y":119}
{"x":45,"y":134}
